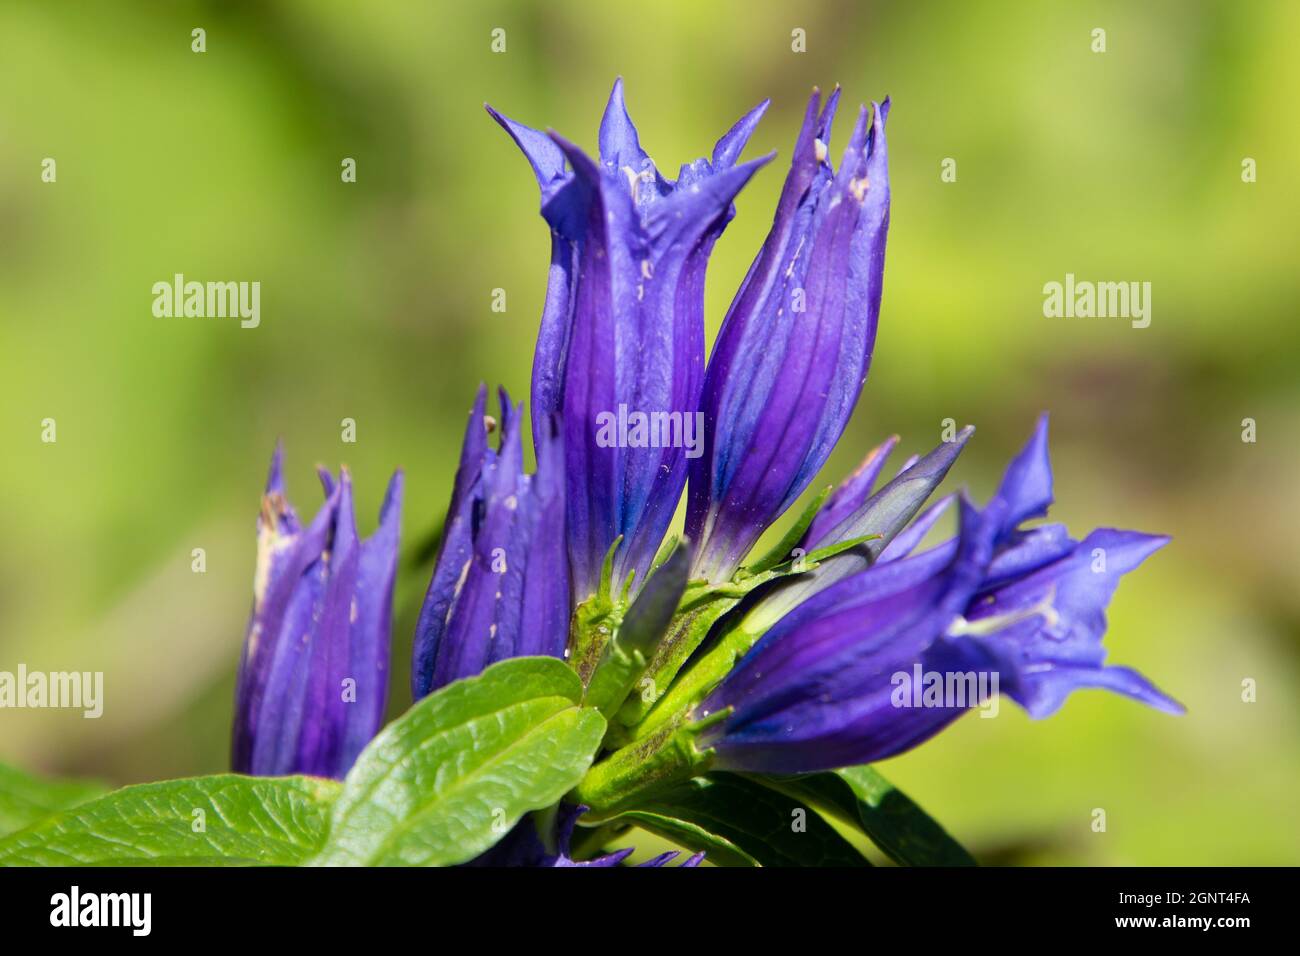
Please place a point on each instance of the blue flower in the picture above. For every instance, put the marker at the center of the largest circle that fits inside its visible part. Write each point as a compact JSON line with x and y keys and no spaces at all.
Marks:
{"x":821,"y":689}
{"x":794,"y":349}
{"x":622,"y":332}
{"x":313,"y":677}
{"x":500,"y":586}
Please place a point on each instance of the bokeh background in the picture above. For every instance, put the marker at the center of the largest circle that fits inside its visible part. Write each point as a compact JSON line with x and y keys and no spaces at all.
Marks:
{"x":376,"y":306}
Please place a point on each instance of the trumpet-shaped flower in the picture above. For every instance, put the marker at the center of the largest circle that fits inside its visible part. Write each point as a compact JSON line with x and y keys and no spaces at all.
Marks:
{"x":794,"y":349}
{"x":500,"y":587}
{"x":886,"y":658}
{"x":313,"y":678}
{"x":622,"y":331}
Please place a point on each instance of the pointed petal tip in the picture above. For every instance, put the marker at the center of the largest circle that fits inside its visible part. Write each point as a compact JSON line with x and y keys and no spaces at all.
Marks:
{"x":577,"y":157}
{"x":335,"y":490}
{"x":326,"y":478}
{"x":616,"y":98}
{"x":275,"y":474}
{"x":546,"y":161}
{"x":393,"y":496}
{"x":1141,"y":689}
{"x":876,"y":457}
{"x":733,"y":142}
{"x":747,"y":169}
{"x":1146,"y":544}
{"x":505,"y":122}
{"x":1134,"y":684}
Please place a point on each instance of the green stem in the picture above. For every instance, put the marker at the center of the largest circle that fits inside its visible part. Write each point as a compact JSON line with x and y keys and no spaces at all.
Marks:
{"x":629,"y":776}
{"x":695,"y":684}
{"x":613,"y":678}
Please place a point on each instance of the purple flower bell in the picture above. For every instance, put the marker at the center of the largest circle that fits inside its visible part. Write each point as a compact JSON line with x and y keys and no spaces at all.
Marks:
{"x":313,"y":677}
{"x":620,"y":353}
{"x":836,"y":681}
{"x":500,"y":585}
{"x":794,"y":349}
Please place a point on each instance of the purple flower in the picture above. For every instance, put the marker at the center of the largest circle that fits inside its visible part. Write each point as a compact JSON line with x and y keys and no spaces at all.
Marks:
{"x":854,"y":511}
{"x":620,"y":354}
{"x":794,"y":349}
{"x":523,"y":846}
{"x":846,"y":678}
{"x":313,"y":677}
{"x":500,"y":587}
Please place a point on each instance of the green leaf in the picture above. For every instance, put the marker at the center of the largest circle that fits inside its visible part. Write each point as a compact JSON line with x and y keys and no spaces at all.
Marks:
{"x":451,"y":776}
{"x":861,"y":797}
{"x":737,"y":822}
{"x":24,"y":799}
{"x":244,"y":820}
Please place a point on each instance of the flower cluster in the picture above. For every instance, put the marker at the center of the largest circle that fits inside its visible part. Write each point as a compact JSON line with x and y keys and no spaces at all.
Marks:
{"x":702,"y":654}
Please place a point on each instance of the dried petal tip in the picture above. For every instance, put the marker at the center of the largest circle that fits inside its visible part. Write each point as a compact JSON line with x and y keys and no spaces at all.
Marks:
{"x":313,"y":676}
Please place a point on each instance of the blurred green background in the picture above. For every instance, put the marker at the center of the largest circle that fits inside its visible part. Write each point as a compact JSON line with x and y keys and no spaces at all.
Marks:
{"x":376,"y":306}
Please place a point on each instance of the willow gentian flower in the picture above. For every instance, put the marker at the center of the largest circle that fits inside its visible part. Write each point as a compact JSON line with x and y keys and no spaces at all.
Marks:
{"x":620,"y":353}
{"x":313,"y":677}
{"x":837,"y":681}
{"x":500,"y":587}
{"x":795,"y":347}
